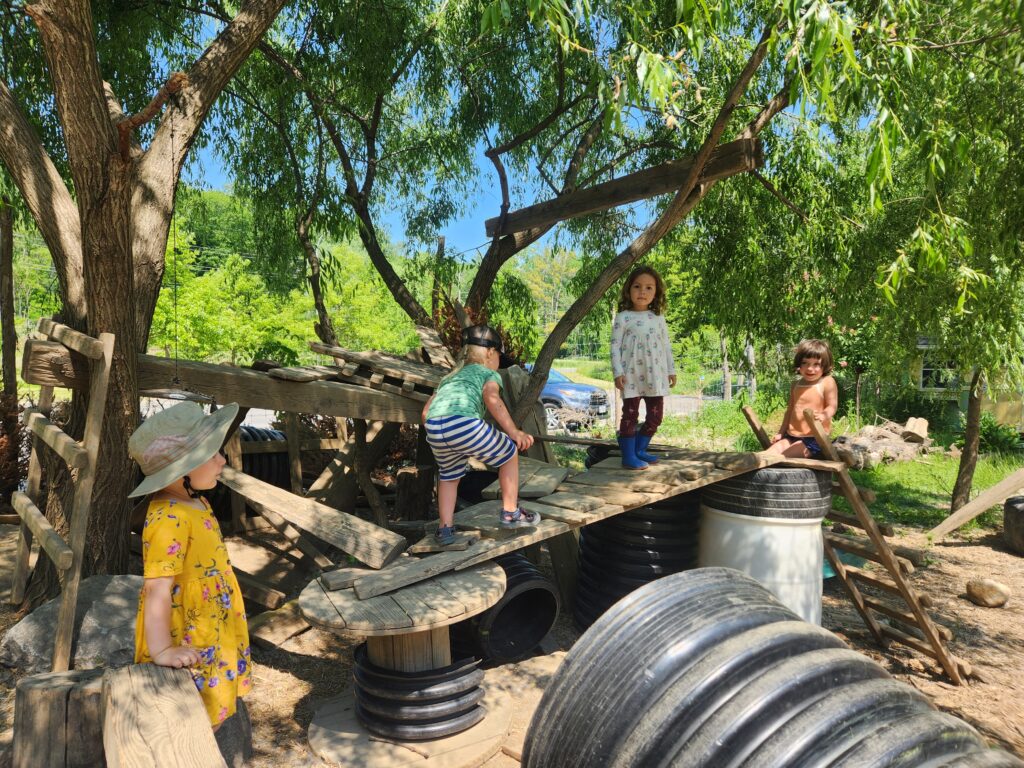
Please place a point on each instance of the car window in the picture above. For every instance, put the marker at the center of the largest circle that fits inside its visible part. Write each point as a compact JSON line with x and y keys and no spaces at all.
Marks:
{"x":556,"y":376}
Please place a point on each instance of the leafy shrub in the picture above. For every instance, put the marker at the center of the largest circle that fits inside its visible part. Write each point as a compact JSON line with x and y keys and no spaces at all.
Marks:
{"x":997,"y":437}
{"x":899,"y":404}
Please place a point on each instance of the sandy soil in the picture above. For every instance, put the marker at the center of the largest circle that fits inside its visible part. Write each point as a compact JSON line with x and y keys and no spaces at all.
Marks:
{"x":293,"y":680}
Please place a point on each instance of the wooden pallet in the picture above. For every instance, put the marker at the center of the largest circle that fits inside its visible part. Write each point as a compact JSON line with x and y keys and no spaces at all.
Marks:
{"x":904,"y":621}
{"x":66,"y":556}
{"x":377,"y":370}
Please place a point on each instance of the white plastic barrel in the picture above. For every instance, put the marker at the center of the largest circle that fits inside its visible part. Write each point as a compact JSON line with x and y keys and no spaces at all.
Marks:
{"x":784,"y":555}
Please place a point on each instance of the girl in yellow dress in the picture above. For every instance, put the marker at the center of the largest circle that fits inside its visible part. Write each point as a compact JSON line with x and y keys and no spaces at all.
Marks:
{"x":190,"y":610}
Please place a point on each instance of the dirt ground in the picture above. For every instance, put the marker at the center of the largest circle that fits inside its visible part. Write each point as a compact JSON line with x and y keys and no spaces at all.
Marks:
{"x":293,"y":680}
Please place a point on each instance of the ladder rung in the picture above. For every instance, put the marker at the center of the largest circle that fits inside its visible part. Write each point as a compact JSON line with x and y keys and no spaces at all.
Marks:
{"x":51,"y":542}
{"x":865,"y":548}
{"x":867,"y":495}
{"x":841,"y":517}
{"x":71,"y":338}
{"x":902,"y":616}
{"x":887,"y":586}
{"x":74,"y":454}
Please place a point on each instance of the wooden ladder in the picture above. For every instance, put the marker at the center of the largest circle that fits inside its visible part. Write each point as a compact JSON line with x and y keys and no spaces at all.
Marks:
{"x":66,"y":556}
{"x":887,"y":622}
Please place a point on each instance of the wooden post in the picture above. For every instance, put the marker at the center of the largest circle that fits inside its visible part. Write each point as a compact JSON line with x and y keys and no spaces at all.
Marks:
{"x":564,"y":551}
{"x":35,"y":478}
{"x":294,"y":451}
{"x":755,"y":425}
{"x":58,"y":720}
{"x":233,"y":453}
{"x":414,"y":492}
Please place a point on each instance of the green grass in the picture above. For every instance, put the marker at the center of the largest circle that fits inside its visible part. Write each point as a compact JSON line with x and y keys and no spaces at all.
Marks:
{"x":916,"y":493}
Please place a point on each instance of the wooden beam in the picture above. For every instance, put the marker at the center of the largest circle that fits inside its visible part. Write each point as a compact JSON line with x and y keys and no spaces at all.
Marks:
{"x":727,"y":160}
{"x":365,"y":541}
{"x":994,"y":495}
{"x":244,"y":386}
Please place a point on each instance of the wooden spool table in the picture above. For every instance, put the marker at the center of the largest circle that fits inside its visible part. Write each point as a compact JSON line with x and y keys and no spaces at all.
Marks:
{"x":406,"y":633}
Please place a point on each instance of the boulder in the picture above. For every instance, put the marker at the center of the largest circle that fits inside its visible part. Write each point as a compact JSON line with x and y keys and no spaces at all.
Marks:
{"x":987,"y":593}
{"x":104,"y":628}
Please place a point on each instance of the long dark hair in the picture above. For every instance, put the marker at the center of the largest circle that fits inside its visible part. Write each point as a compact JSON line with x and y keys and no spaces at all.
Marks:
{"x":658,"y":305}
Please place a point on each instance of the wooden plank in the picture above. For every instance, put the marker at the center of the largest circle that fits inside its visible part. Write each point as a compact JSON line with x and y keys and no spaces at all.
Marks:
{"x":726,"y":160}
{"x":575,"y":501}
{"x":616,"y":482}
{"x":543,"y":482}
{"x":667,"y":471}
{"x":257,"y":591}
{"x":281,"y":446}
{"x":273,"y":628}
{"x":406,"y":370}
{"x":63,"y":445}
{"x":81,"y":501}
{"x":248,"y":388}
{"x":153,"y":716}
{"x":569,"y":516}
{"x":867,"y":495}
{"x":884,"y":585}
{"x":69,"y":337}
{"x":564,"y":552}
{"x":838,"y":517}
{"x":318,"y":610}
{"x":997,"y":494}
{"x":819,"y":465}
{"x":340,"y":578}
{"x":755,"y":426}
{"x":408,"y":571}
{"x":51,"y":541}
{"x":904,"y":617}
{"x":233,"y":454}
{"x":843,"y":573}
{"x":378,"y":615}
{"x":365,"y":541}
{"x":489,"y":549}
{"x":437,"y":597}
{"x":865,"y":548}
{"x":298,"y":374}
{"x":526,"y":469}
{"x":420,"y":611}
{"x":429,"y":544}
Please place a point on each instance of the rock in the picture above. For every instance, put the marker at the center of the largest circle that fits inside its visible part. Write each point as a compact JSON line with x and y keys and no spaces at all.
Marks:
{"x":916,"y":430}
{"x":987,"y":593}
{"x":104,"y":628}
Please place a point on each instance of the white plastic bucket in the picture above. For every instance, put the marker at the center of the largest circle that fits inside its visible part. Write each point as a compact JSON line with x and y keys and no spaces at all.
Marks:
{"x":785,"y":555}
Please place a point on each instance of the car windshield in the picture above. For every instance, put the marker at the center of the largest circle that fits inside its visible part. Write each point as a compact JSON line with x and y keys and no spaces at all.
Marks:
{"x":557,"y":377}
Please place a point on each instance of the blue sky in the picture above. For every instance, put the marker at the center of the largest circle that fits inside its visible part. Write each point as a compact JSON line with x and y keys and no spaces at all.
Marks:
{"x":464,"y":235}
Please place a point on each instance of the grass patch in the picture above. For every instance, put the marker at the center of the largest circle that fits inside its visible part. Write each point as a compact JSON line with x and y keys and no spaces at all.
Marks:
{"x":916,"y":493}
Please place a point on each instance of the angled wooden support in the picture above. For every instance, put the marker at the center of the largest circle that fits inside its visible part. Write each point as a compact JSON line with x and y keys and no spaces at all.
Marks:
{"x":878,"y":550}
{"x":77,"y":455}
{"x":998,"y":493}
{"x":932,"y":642}
{"x":727,"y":160}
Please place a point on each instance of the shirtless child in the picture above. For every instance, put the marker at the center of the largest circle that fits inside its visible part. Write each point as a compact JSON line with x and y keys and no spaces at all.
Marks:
{"x":815,"y":390}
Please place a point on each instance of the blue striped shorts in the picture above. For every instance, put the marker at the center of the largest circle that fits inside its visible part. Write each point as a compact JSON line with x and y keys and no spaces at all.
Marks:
{"x":456,"y":439}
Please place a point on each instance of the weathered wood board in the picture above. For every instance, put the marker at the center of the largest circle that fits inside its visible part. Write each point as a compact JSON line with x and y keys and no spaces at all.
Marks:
{"x":365,"y":541}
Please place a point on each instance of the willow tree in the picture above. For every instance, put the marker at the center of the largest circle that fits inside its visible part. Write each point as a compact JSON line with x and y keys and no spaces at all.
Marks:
{"x":101,"y":200}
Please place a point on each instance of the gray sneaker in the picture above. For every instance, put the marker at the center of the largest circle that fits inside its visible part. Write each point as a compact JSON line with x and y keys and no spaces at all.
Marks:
{"x":520,"y":518}
{"x":445,"y":535}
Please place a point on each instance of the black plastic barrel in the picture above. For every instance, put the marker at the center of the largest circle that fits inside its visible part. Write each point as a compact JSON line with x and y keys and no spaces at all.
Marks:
{"x":627,"y":551}
{"x":511,"y":628}
{"x":706,"y":669}
{"x":269,"y":467}
{"x":417,"y":706}
{"x":1013,"y":524}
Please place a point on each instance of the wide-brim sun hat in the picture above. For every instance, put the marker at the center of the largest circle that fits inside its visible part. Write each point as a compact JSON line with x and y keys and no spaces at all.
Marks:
{"x":171,"y":443}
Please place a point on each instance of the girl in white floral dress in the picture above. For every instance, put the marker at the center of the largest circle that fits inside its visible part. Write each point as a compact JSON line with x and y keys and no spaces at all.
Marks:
{"x":641,"y":363}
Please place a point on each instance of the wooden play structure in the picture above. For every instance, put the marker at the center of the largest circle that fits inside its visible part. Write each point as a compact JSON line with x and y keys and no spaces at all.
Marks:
{"x":401,"y":597}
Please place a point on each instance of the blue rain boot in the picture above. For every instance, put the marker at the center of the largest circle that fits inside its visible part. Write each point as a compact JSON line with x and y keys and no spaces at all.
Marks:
{"x":642,"y":441}
{"x":628,"y":447}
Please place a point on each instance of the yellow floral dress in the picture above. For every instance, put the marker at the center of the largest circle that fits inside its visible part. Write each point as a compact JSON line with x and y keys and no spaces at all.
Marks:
{"x":207,"y":613}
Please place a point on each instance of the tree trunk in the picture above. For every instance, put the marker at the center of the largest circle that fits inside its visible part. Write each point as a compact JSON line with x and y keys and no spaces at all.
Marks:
{"x":972,"y":439}
{"x":723,"y":347}
{"x":858,"y":379}
{"x":323,"y":328}
{"x":9,"y":333}
{"x":748,"y":351}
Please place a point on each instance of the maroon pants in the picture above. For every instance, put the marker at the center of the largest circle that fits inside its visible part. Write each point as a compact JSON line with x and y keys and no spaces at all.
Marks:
{"x":631,"y":414}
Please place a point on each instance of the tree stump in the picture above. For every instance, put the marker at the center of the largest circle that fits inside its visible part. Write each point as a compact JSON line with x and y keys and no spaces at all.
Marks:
{"x":415,"y":492}
{"x":1013,"y":524}
{"x":58,"y":721}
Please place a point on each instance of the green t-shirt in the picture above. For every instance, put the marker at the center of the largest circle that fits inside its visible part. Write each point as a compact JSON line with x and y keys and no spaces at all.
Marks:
{"x":463,"y":393}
